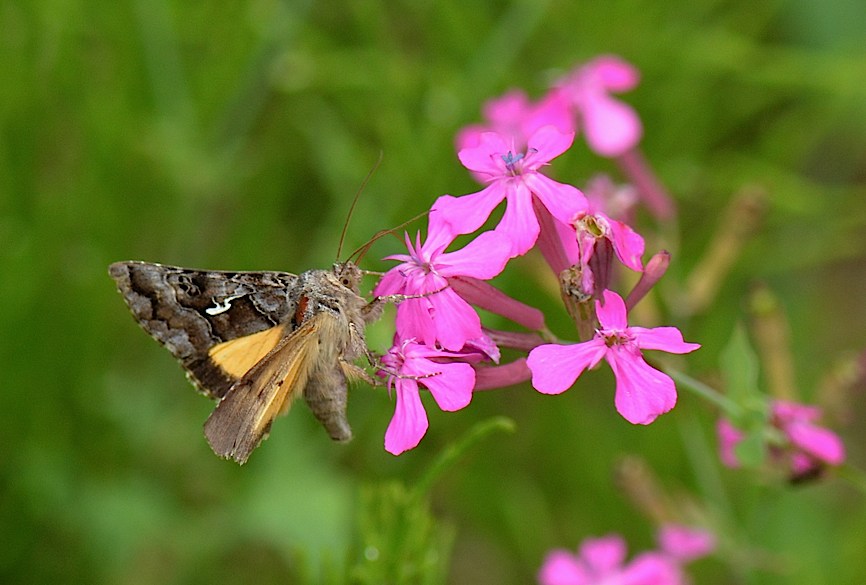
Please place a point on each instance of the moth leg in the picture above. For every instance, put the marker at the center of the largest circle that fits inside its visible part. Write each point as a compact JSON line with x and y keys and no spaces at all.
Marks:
{"x":397,"y":299}
{"x":356,"y":372}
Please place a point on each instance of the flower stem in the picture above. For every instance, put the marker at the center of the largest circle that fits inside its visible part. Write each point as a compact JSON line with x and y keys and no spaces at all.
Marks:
{"x":708,"y":393}
{"x":855,"y":476}
{"x":455,"y":451}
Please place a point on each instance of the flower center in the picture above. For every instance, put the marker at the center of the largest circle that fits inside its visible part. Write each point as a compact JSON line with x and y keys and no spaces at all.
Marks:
{"x":614,"y":337}
{"x":511,"y":161}
{"x":595,"y":226}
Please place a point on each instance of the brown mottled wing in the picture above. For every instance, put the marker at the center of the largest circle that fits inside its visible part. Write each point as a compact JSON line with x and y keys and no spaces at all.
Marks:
{"x":244,"y":416}
{"x":191,"y":311}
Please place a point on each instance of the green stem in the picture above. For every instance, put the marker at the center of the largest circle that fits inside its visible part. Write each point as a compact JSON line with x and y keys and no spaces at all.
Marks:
{"x":730,"y":408}
{"x":854,"y":475}
{"x":455,"y":450}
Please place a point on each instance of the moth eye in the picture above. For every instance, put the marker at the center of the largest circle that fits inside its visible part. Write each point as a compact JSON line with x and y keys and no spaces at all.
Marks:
{"x":345,"y":281}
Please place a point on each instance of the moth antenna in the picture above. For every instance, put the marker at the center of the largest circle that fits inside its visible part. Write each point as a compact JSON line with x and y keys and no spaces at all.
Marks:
{"x":359,"y":253}
{"x":355,"y":201}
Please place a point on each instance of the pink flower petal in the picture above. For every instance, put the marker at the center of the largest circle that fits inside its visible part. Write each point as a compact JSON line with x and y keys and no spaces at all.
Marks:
{"x":556,"y":367}
{"x":486,"y":157}
{"x":603,"y":555}
{"x":452,"y":388}
{"x":668,"y":339}
{"x":612,"y":315}
{"x":787,"y":410}
{"x":552,"y":110}
{"x":642,"y":392}
{"x":519,"y":223}
{"x":547,"y":143}
{"x":562,"y":568}
{"x":628,"y":244}
{"x":409,"y":423}
{"x":391,"y":283}
{"x":729,"y":437}
{"x":821,"y":443}
{"x":613,"y":73}
{"x":652,"y":569}
{"x":456,"y":321}
{"x":483,"y":258}
{"x":466,"y":214}
{"x":685,"y":543}
{"x":564,"y":202}
{"x":610,"y":126}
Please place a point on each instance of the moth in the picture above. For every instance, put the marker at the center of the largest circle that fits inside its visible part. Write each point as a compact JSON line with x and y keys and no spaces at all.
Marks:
{"x":256,"y":341}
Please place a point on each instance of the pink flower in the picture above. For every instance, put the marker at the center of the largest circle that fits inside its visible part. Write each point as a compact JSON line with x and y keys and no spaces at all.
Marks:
{"x":809,"y":445}
{"x":513,"y":175}
{"x":611,"y":127}
{"x":685,"y":543}
{"x":642,"y":392}
{"x":601,"y":561}
{"x":442,"y":316}
{"x":412,"y":364}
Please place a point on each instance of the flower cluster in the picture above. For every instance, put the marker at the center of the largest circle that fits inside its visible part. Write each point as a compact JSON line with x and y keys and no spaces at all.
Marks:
{"x":440,"y":342}
{"x":794,"y":440}
{"x":603,"y":560}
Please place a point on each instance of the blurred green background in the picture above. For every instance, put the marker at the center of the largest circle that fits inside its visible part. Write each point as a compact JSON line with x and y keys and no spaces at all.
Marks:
{"x":233,"y":135}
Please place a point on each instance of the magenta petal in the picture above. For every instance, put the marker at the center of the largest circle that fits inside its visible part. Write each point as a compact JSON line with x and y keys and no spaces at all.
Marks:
{"x":452,"y":387}
{"x":729,"y":437}
{"x":455,"y":321}
{"x":614,"y":74}
{"x":821,"y":443}
{"x":519,"y":223}
{"x":612,"y":314}
{"x":652,"y":568}
{"x":483,"y":258}
{"x":628,"y":245}
{"x":409,"y":423}
{"x":564,"y":202}
{"x":470,"y":136}
{"x":391,"y":283}
{"x":668,"y":339}
{"x":556,"y":367}
{"x":466,"y":214}
{"x":642,"y":392}
{"x":547,"y":143}
{"x":603,"y":555}
{"x":415,"y":320}
{"x":486,"y":157}
{"x":562,"y":568}
{"x":787,"y":410}
{"x":685,"y":543}
{"x":612,"y":128}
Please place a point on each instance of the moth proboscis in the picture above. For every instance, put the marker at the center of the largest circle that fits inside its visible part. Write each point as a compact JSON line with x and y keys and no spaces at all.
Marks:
{"x":255,"y":341}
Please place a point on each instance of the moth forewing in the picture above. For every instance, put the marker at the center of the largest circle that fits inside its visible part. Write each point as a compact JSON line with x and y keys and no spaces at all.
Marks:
{"x":245,"y":414}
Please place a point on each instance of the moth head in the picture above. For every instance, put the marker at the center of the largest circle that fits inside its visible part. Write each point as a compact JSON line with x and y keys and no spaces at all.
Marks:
{"x":348,"y":274}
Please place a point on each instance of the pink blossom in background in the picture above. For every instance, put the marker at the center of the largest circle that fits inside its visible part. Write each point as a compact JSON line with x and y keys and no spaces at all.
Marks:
{"x":601,"y":561}
{"x":614,"y":200}
{"x":642,"y":392}
{"x":611,"y":127}
{"x":810,"y":445}
{"x":685,"y":543}
{"x":515,"y":117}
{"x":411,"y":364}
{"x":513,"y":175}
{"x":729,"y":437}
{"x":442,"y":316}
